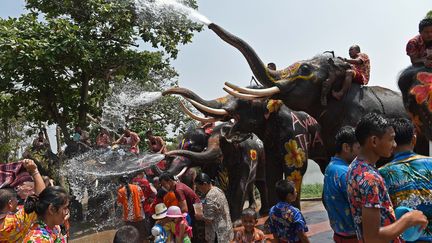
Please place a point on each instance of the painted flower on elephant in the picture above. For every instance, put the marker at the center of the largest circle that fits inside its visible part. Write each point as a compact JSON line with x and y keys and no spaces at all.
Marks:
{"x":295,"y":155}
{"x":296,"y":177}
{"x":274,"y":105}
{"x":253,"y":154}
{"x":423,"y":91}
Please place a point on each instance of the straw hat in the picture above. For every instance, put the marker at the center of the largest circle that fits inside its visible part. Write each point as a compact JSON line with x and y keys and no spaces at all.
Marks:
{"x":175,"y":212}
{"x":160,"y":211}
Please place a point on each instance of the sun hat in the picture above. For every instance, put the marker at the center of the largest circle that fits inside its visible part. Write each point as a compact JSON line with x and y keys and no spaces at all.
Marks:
{"x":160,"y":211}
{"x":175,"y":212}
{"x":412,"y":233}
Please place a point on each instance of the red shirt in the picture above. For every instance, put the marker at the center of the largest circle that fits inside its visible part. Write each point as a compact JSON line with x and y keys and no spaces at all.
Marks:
{"x":364,"y":68}
{"x":416,"y":47}
{"x":183,"y":192}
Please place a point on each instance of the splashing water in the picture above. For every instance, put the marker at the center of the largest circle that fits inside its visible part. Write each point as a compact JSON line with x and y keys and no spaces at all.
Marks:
{"x":158,"y":7}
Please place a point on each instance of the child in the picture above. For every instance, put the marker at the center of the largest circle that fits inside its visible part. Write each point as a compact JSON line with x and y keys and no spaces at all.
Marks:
{"x":159,"y":230}
{"x":285,"y":221}
{"x":249,"y":233}
{"x":178,"y":225}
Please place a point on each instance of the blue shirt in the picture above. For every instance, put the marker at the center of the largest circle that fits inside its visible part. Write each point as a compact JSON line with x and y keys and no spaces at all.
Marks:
{"x":408,"y":178}
{"x":285,"y":221}
{"x":336,"y":197}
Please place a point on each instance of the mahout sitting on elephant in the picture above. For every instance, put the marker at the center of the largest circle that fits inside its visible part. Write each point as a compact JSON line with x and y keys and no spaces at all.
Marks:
{"x":300,"y":87}
{"x":236,"y":167}
{"x":289,"y":137}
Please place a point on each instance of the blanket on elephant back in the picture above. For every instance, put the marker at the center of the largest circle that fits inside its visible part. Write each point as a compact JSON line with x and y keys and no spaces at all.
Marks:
{"x":13,"y":174}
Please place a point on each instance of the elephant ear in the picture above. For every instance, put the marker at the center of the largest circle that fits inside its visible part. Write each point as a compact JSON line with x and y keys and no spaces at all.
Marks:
{"x":272,"y":106}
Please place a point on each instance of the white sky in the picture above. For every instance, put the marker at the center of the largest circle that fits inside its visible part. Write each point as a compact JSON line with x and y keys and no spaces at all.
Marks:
{"x":284,"y":31}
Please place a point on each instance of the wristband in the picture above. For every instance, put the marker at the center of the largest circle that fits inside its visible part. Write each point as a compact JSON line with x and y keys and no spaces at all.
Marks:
{"x":34,"y":173}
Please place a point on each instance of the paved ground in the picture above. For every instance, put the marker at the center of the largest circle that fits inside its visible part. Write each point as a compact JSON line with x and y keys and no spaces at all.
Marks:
{"x":313,"y":211}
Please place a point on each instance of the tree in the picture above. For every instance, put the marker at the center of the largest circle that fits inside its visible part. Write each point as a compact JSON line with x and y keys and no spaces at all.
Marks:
{"x":59,"y":61}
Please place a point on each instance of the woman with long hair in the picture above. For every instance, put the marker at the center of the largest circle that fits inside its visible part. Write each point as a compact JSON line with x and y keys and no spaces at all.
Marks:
{"x":51,"y":207}
{"x":131,"y":197}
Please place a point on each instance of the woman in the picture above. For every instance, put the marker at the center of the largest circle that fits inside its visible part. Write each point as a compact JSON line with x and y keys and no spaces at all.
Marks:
{"x":218,"y":226}
{"x":131,"y":197}
{"x":52,"y":210}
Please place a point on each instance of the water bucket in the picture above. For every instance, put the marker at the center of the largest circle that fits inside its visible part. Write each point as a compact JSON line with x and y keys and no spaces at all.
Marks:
{"x":412,"y":233}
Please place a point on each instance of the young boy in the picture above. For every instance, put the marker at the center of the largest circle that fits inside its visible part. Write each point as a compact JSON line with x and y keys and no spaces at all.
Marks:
{"x":285,"y":221}
{"x":370,"y":204}
{"x":249,"y":233}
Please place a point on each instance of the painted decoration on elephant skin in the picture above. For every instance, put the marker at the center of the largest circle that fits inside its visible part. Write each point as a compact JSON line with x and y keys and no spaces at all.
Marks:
{"x":274,"y":105}
{"x":295,"y":155}
{"x":253,"y":154}
{"x":423,"y":91}
{"x":296,"y":177}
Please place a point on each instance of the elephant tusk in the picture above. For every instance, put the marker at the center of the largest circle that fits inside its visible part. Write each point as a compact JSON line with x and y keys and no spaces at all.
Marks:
{"x":181,"y":172}
{"x":240,"y":95}
{"x":195,"y":117}
{"x":257,"y":92}
{"x":219,"y":112}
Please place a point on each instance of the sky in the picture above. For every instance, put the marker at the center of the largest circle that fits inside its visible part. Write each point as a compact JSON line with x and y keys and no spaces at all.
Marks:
{"x":285,"y":31}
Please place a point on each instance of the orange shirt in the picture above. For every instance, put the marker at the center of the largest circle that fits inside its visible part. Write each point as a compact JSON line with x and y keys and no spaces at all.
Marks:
{"x":132,"y":206}
{"x":170,"y":199}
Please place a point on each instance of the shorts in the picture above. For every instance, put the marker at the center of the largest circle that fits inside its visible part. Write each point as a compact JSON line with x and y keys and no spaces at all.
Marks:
{"x":359,"y":78}
{"x":344,"y":239}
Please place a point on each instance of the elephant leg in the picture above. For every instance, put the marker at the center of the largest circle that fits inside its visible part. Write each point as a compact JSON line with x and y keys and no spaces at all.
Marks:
{"x":262,"y":188}
{"x":274,"y":173}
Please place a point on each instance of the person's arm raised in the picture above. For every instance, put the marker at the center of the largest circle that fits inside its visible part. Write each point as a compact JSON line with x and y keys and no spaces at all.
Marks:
{"x":31,"y":167}
{"x":374,"y":233}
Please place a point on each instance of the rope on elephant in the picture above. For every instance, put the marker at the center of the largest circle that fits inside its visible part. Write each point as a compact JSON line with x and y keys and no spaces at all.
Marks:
{"x":379,"y":100}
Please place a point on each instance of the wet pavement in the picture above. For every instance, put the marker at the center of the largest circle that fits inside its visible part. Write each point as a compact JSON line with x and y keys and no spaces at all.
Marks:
{"x":313,"y":211}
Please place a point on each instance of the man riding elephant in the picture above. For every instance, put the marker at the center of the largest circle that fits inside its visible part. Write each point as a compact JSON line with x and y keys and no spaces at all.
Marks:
{"x":300,"y":87}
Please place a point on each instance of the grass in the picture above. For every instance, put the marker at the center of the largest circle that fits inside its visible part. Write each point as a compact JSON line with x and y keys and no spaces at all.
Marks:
{"x":311,"y":190}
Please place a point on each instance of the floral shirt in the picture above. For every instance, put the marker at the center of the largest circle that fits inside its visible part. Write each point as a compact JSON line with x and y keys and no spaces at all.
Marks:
{"x":364,"y":67}
{"x":336,"y":198}
{"x":215,"y":209}
{"x":15,"y":226}
{"x":366,"y":188}
{"x":285,"y":221}
{"x":408,"y":178}
{"x":416,"y":47}
{"x":257,"y":236}
{"x":40,"y":233}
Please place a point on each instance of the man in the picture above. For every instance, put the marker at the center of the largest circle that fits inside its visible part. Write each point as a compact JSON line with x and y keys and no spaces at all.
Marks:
{"x":335,"y":186}
{"x":185,"y":195}
{"x":419,"y":48}
{"x":370,"y":204}
{"x":271,"y":66}
{"x":40,"y":143}
{"x":408,"y":176}
{"x":129,"y":138}
{"x":14,"y":224}
{"x":81,"y":136}
{"x":155,"y":143}
{"x":359,"y":72}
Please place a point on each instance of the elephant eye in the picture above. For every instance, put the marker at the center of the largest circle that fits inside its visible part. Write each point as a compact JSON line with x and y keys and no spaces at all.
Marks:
{"x":304,"y":70}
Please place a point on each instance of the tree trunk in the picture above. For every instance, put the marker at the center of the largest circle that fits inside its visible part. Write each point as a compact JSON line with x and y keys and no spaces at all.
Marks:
{"x":82,"y":109}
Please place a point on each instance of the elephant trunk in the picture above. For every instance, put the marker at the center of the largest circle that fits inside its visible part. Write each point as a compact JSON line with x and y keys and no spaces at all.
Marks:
{"x":186,"y":93}
{"x":264,"y":75}
{"x":212,"y":154}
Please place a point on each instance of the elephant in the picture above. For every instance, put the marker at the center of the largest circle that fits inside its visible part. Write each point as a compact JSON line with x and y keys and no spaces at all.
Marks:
{"x":236,"y":166}
{"x":290,"y":137}
{"x":300,"y":87}
{"x":415,"y":84}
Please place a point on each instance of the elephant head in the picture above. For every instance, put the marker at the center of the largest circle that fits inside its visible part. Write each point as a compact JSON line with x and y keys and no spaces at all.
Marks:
{"x":415,"y":84}
{"x":299,"y":86}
